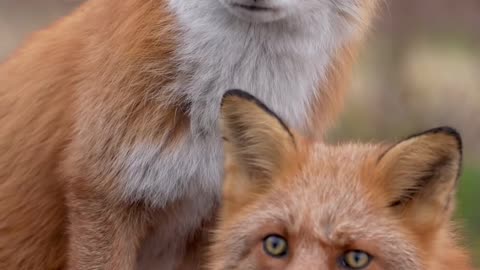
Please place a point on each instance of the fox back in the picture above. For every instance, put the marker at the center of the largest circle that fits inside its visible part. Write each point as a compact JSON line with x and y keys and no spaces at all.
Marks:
{"x":289,"y":203}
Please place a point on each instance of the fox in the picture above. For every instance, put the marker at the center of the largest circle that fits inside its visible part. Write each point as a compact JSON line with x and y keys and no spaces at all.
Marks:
{"x":292,"y":203}
{"x":110,"y":148}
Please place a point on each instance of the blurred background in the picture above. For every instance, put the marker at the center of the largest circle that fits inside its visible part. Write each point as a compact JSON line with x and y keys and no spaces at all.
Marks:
{"x":420,"y":69}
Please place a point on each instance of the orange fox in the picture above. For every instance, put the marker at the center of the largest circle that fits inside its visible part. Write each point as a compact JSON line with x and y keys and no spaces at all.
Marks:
{"x":289,"y":203}
{"x":110,"y":154}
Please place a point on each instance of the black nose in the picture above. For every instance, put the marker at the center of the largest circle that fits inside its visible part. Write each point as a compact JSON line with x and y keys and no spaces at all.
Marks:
{"x":257,"y":2}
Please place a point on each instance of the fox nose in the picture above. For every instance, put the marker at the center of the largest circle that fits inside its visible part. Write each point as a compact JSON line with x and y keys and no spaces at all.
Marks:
{"x":256,"y":2}
{"x":259,"y":10}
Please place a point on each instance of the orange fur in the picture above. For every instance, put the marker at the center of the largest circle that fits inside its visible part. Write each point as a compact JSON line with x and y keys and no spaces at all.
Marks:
{"x":329,"y":101}
{"x":60,"y":201}
{"x":46,"y":86}
{"x":393,"y":202}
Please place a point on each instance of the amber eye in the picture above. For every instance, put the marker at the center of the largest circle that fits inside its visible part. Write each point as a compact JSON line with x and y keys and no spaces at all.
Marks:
{"x":355,"y":259}
{"x":275,"y":246}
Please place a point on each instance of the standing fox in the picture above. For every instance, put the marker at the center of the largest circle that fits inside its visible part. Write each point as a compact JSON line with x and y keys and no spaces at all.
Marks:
{"x":110,"y":153}
{"x":292,"y":204}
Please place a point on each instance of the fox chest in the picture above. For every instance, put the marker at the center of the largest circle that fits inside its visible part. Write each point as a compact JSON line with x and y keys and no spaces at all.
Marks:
{"x":287,"y":83}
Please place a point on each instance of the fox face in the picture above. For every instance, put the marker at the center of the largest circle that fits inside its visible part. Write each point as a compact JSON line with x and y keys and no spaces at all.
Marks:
{"x":293,"y":204}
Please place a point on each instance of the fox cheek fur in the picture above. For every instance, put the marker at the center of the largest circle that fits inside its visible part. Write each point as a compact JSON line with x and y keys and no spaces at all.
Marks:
{"x":110,"y":154}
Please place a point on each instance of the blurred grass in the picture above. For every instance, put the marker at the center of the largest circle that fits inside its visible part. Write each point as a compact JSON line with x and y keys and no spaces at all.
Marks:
{"x":468,"y":211}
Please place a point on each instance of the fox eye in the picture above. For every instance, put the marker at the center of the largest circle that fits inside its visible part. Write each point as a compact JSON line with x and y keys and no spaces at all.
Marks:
{"x":355,"y":259}
{"x":275,"y":246}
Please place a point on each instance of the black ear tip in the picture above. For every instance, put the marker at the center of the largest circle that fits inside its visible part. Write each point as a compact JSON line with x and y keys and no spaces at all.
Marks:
{"x":449,"y":131}
{"x":240,"y":94}
{"x":250,"y":98}
{"x":243,"y":95}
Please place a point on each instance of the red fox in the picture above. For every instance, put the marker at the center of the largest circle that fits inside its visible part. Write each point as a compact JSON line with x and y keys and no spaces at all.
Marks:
{"x":110,"y":153}
{"x":289,"y":203}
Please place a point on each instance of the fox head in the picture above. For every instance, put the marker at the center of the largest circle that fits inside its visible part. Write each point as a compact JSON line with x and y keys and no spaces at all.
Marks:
{"x":293,"y":204}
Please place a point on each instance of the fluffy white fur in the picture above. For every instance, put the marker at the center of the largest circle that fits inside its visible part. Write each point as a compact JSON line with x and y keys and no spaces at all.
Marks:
{"x":281,"y":62}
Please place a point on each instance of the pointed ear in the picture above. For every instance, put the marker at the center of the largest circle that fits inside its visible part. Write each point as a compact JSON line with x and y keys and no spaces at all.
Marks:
{"x":420,"y":175}
{"x":258,"y":145}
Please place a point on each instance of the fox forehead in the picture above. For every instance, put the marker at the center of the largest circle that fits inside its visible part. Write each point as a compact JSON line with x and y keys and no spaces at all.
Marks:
{"x":331,"y":197}
{"x":340,"y":176}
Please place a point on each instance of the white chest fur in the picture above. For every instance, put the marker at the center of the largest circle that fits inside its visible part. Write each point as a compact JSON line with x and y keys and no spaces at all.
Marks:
{"x":282,"y":63}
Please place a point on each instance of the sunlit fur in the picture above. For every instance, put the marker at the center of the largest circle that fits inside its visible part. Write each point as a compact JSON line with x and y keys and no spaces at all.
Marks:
{"x":109,"y":143}
{"x":394,"y":202}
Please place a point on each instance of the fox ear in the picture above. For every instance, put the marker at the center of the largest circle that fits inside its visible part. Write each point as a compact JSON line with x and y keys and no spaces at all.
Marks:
{"x":257,"y":144}
{"x":420,"y":175}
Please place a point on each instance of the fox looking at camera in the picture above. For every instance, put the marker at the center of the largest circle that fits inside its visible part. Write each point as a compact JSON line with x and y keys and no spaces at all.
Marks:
{"x":289,"y":203}
{"x":110,"y":154}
